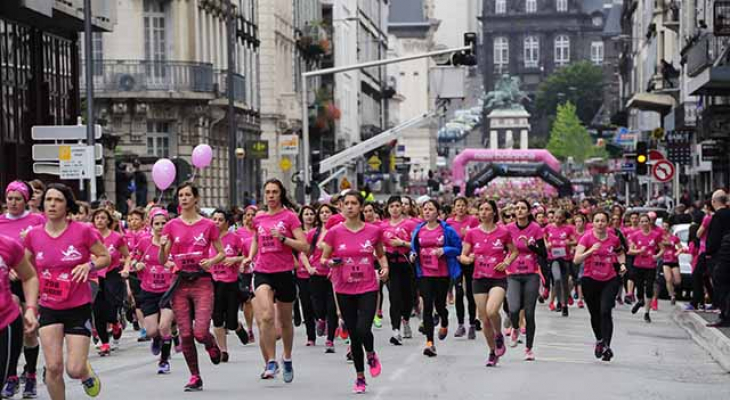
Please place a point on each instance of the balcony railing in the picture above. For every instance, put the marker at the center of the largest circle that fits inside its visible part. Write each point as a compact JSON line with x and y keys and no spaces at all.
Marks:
{"x":142,"y":76}
{"x":239,"y":86}
{"x":703,"y":53}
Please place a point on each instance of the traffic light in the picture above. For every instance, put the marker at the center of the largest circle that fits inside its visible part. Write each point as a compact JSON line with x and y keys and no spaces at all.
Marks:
{"x":467,"y":57}
{"x":642,"y":158}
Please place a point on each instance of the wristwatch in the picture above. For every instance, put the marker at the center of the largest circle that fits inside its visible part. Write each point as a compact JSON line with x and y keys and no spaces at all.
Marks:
{"x":282,"y":239}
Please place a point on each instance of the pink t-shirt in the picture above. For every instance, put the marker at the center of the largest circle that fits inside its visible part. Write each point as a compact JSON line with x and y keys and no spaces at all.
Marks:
{"x":132,"y":238}
{"x":233,"y":247}
{"x":402,"y":230}
{"x":670,"y":249}
{"x":155,"y":278}
{"x":599,"y":265}
{"x":557,"y":237}
{"x":356,"y":273}
{"x":247,"y":238}
{"x":190,"y":243}
{"x":334,"y":220}
{"x":649,"y":247}
{"x":14,"y":228}
{"x":11,"y":254}
{"x":489,"y":249}
{"x":461,"y":227}
{"x":113,"y":243}
{"x":55,"y":258}
{"x":526,"y":261}
{"x":316,"y":256}
{"x":706,"y":225}
{"x":429,"y":242}
{"x":274,"y":256}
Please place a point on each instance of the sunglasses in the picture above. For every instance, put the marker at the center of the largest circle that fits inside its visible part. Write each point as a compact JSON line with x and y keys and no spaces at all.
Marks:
{"x":509,"y":216}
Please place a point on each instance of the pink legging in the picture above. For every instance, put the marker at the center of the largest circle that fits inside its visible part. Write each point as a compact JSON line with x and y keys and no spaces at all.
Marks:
{"x":195,"y":296}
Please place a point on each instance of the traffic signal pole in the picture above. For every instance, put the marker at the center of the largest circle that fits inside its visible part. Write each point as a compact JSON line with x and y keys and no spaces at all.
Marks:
{"x":89,"y":55}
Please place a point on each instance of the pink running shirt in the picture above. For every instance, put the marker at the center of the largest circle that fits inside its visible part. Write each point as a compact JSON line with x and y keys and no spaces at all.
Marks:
{"x":11,"y":254}
{"x":155,"y":278}
{"x":429,"y":241}
{"x":599,"y":265}
{"x":274,"y":256}
{"x":558,"y":238}
{"x":489,"y":249}
{"x":233,"y":247}
{"x":526,"y":261}
{"x":461,"y":227}
{"x":356,"y":274}
{"x":649,"y":247}
{"x":190,"y":243}
{"x":402,"y":230}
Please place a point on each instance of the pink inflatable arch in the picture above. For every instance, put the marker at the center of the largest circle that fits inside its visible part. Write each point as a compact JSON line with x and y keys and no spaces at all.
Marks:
{"x":499,"y":155}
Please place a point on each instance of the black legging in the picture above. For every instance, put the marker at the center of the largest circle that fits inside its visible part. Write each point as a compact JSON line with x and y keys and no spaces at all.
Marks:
{"x":644,"y":280}
{"x":467,"y":273}
{"x":305,"y":300}
{"x":560,"y":270}
{"x":522,"y":292}
{"x":323,"y":303}
{"x":701,"y":282}
{"x":109,"y":300}
{"x":600,"y":297}
{"x":11,"y":344}
{"x":358,"y":311}
{"x":434,"y":292}
{"x":400,"y":292}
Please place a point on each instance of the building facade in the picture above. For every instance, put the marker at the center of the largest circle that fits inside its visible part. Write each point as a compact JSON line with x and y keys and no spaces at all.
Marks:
{"x":161,"y":89}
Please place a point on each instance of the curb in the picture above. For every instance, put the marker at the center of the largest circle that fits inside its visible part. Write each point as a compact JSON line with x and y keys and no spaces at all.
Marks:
{"x":710,"y":339}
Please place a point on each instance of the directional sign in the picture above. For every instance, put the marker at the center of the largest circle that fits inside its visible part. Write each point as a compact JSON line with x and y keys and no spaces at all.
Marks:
{"x":663,"y":171}
{"x":62,"y":132}
{"x":76,"y":162}
{"x":374,"y":162}
{"x":52,"y":152}
{"x":285,"y":164}
{"x":628,"y":166}
{"x":51,"y":168}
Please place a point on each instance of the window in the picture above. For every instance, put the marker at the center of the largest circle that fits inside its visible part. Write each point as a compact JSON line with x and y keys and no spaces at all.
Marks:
{"x":562,"y":50}
{"x":530,"y":6}
{"x":532,"y":51}
{"x":97,"y":53}
{"x":500,"y":7}
{"x":158,"y":138}
{"x":501,"y":53}
{"x":561,"y":5}
{"x":155,"y":43}
{"x":597,"y":53}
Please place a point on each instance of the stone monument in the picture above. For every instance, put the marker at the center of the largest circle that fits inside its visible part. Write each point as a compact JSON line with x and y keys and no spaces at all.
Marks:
{"x":506,"y":116}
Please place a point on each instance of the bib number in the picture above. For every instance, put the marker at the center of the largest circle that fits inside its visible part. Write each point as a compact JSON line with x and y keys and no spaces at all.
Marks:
{"x":558,"y":252}
{"x":429,"y":260}
{"x":189,"y":262}
{"x":54,"y":290}
{"x":270,"y":244}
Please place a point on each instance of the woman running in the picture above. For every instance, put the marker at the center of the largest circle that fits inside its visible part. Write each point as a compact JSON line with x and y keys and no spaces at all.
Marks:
{"x":579,"y":225}
{"x":435,"y":246}
{"x":156,"y":279}
{"x":278,"y":232}
{"x":489,"y":248}
{"x":397,"y":231}
{"x":560,"y":238}
{"x":523,"y":279}
{"x":670,"y":262}
{"x":188,"y":239}
{"x":227,"y":297}
{"x":64,"y":252}
{"x":645,"y":247}
{"x":13,"y":260}
{"x":372,"y":215}
{"x":245,"y":276}
{"x":603,"y":258}
{"x":462,"y":222}
{"x":308,"y":218}
{"x":134,"y":233}
{"x":350,"y":249}
{"x":15,"y":224}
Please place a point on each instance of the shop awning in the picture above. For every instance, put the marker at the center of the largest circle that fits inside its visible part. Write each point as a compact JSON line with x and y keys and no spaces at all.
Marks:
{"x":661,"y":103}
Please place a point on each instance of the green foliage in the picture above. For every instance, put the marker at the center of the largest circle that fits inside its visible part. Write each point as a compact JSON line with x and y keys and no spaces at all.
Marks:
{"x":569,"y":138}
{"x":580,"y":83}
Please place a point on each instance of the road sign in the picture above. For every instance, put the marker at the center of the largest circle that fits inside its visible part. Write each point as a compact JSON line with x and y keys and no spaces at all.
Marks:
{"x":289,"y":145}
{"x":628,"y":166}
{"x":285,"y":164}
{"x":62,"y":132}
{"x":52,"y":152}
{"x":374,"y":162}
{"x":50,"y":168}
{"x":663,"y":171}
{"x":656,"y":155}
{"x":257,"y":149}
{"x":75,"y":162}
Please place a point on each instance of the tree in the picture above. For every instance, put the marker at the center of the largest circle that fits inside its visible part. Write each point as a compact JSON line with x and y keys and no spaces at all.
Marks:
{"x":569,"y":138}
{"x":580,"y":83}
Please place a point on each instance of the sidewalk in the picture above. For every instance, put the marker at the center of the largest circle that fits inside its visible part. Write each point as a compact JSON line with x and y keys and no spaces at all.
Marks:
{"x":716,"y":341}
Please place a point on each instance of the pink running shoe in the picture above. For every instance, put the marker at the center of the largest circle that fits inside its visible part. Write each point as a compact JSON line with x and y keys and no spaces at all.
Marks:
{"x":500,"y":348}
{"x":515,"y":338}
{"x":374,"y":364}
{"x":492,"y":361}
{"x":529,"y":355}
{"x":360,"y":386}
{"x":523,"y":331}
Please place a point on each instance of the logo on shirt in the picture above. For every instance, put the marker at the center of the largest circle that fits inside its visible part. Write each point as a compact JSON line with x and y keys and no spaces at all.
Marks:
{"x":200,"y":240}
{"x":228,"y":250}
{"x":440,"y":240}
{"x":498,"y":243}
{"x":46,"y":274}
{"x":71,"y":254}
{"x":39,"y":256}
{"x":342,"y":247}
{"x":111,"y":248}
{"x":367,"y":246}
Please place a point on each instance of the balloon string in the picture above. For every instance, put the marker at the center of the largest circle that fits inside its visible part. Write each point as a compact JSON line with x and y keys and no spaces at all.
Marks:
{"x":192,"y":178}
{"x":159,"y":199}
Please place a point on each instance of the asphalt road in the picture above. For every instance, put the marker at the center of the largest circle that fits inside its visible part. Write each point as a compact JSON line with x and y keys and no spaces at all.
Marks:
{"x":653,"y":361}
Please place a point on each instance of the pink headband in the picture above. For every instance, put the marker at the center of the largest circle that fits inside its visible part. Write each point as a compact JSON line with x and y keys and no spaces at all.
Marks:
{"x":252,"y":207}
{"x":20,"y":187}
{"x":159,"y":211}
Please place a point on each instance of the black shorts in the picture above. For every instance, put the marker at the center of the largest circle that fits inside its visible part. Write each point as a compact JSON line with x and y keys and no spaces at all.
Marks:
{"x":75,"y":321}
{"x":282,"y":283}
{"x":225,"y":307}
{"x":484,"y":285}
{"x":670,"y":264}
{"x":244,"y":286}
{"x":149,"y":302}
{"x":16,"y":288}
{"x":135,"y":286}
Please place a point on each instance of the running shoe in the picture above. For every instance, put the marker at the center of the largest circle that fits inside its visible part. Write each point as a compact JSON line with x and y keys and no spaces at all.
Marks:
{"x":374,"y":364}
{"x":92,"y":384}
{"x":271,"y":370}
{"x":436,"y":319}
{"x":559,"y":307}
{"x":163,"y":368}
{"x":156,"y":346}
{"x":689,"y":307}
{"x":545,"y":293}
{"x":598,"y":349}
{"x":673,"y":301}
{"x":378,"y":322}
{"x":552,"y":306}
{"x":320,"y":327}
{"x":142,"y":335}
{"x":360,"y":386}
{"x":242,"y":334}
{"x":570,"y":300}
{"x":288,"y":374}
{"x":565,"y":312}
{"x":251,"y":337}
{"x":460,"y":331}
{"x":115,"y":344}
{"x":12,"y":386}
{"x":195,"y":384}
{"x":629,"y":299}
{"x":344,"y":334}
{"x":637,"y":307}
{"x":407,"y":332}
{"x":329,"y":347}
{"x":104,"y":350}
{"x":396,"y":340}
{"x":215,"y":354}
{"x":492,"y":360}
{"x":224,"y":356}
{"x":430,"y":350}
{"x":500,"y":349}
{"x":117,"y":330}
{"x":515,"y":338}
{"x":30,"y":389}
{"x":529,"y":355}
{"x":472,"y":334}
{"x":310,"y":343}
{"x":581,"y":304}
{"x":443,"y":333}
{"x":619,"y":300}
{"x":523,"y":331}
{"x":508,"y":331}
{"x":478,"y":325}
{"x":607,"y":354}
{"x":297,"y":317}
{"x":654,"y":304}
{"x":348,"y":356}
{"x":647,"y":318}
{"x":421,"y":329}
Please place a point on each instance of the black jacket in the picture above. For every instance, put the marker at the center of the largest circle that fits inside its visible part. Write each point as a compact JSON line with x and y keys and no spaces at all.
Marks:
{"x":718,"y":229}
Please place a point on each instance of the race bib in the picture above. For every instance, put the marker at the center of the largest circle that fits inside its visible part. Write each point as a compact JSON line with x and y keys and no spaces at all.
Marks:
{"x":429,"y":260}
{"x":354,"y":272}
{"x":522,"y":265}
{"x":159,"y":281}
{"x":558,"y":252}
{"x":54,"y":290}
{"x":270,"y":244}
{"x":189,"y":262}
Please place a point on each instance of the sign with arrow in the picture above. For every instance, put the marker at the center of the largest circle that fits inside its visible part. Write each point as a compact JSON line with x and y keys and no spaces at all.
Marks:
{"x":663,"y":171}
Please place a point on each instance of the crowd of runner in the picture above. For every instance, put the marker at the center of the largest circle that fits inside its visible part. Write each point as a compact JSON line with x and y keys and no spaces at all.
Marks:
{"x":75,"y":276}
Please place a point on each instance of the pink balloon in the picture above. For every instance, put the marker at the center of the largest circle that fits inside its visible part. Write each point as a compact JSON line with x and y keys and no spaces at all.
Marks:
{"x":202,"y":155}
{"x":163,"y":173}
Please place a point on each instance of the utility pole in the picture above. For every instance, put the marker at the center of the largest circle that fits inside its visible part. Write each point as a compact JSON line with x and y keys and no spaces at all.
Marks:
{"x":90,"y":122}
{"x":232,"y":128}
